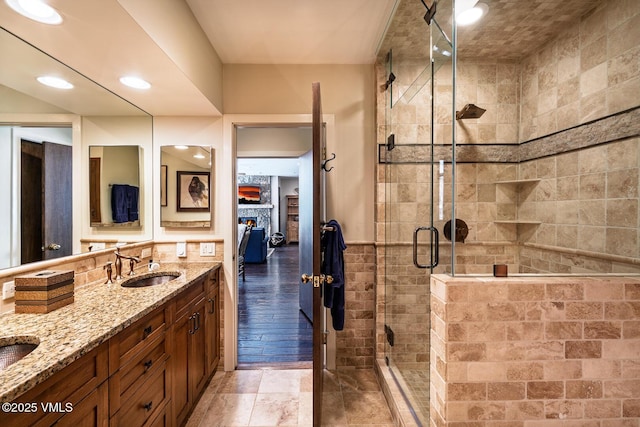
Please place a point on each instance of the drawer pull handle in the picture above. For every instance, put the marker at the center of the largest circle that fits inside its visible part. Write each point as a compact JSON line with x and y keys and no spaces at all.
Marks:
{"x":147,"y":331}
{"x":148,"y":406}
{"x":192,"y":326}
{"x":147,"y":365}
{"x":197,"y":321}
{"x":213,"y":305}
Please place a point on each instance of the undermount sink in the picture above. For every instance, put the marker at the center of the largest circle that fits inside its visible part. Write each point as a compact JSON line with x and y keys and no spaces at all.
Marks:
{"x":13,"y":349}
{"x":150,"y":279}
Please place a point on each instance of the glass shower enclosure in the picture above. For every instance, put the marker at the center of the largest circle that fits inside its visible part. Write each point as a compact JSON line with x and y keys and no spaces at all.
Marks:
{"x":418,"y":163}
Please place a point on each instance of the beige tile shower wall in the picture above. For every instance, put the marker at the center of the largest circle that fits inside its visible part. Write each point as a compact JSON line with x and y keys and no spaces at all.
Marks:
{"x":491,"y":85}
{"x":535,"y":352}
{"x":591,"y":70}
{"x":589,"y":204}
{"x":356,"y":343}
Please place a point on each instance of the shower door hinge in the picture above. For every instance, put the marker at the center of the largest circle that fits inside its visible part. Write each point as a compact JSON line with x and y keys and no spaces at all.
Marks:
{"x":389,"y":333}
{"x":389,"y":81}
{"x":325,"y":336}
{"x":391,"y":142}
{"x":431,"y":12}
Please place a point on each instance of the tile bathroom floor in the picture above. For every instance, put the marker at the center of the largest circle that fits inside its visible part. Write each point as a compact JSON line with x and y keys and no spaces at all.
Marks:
{"x":274,"y":397}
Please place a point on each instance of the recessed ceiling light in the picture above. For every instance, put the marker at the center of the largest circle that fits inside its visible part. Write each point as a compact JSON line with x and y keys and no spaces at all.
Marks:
{"x":198,"y":156}
{"x":472,"y":15}
{"x":55,"y":82}
{"x":37,"y":10}
{"x":135,"y":82}
{"x":181,"y":147}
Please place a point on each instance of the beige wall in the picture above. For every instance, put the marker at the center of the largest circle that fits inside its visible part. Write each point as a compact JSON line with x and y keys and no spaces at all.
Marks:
{"x":348,"y":94}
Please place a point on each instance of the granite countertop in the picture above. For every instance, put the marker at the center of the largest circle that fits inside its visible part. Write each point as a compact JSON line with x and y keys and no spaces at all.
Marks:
{"x":98,"y":313}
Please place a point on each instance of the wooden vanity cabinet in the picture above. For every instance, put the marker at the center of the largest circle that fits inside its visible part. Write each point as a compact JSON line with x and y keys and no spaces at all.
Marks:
{"x":150,"y":374}
{"x":189,"y":351}
{"x":81,"y":384}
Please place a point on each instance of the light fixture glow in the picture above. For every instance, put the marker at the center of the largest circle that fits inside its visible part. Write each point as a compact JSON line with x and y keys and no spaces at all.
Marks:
{"x":55,"y":82}
{"x":135,"y":82}
{"x":181,"y":147}
{"x":473,"y":15}
{"x":198,"y":156}
{"x":36,"y":10}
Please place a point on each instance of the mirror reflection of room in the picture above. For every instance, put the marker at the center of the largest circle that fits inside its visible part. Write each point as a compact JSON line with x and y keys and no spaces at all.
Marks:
{"x":42,"y":155}
{"x":185,"y":186}
{"x":114,"y":185}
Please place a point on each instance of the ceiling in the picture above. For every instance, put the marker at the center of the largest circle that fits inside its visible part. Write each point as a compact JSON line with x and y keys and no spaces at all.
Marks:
{"x":104,"y":39}
{"x":511,"y":29}
{"x":294,"y":31}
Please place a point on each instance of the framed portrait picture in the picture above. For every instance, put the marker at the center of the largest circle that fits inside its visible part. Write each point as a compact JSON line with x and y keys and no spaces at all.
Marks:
{"x":193,"y":191}
{"x":163,"y":185}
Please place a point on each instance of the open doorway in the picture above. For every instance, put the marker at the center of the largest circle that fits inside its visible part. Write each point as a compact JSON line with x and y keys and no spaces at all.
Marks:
{"x":272,"y":330}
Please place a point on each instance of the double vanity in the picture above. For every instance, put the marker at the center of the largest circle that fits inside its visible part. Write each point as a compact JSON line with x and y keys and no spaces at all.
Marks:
{"x":135,"y":352}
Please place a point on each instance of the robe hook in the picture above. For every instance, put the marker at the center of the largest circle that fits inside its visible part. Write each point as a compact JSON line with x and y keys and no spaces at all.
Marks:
{"x":324,"y":163}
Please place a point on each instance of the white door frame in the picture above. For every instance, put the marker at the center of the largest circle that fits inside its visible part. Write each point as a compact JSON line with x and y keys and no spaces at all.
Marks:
{"x":229,"y":216}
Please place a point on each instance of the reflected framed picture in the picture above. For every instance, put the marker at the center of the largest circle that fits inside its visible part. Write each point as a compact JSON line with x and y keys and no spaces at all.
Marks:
{"x":163,"y":185}
{"x":193,"y":191}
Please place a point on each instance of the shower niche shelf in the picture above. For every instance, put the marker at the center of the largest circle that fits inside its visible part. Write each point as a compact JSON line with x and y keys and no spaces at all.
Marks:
{"x":518,"y":183}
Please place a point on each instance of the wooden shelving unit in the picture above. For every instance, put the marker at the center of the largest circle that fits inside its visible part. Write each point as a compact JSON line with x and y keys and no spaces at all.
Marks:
{"x":292,"y":218}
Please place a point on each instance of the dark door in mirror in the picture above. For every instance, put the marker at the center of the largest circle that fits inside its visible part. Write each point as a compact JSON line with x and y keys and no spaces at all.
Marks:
{"x":46,"y":204}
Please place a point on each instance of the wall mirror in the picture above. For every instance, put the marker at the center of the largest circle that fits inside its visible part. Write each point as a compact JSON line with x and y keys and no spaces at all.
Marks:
{"x":114,"y":186}
{"x":186,"y":196}
{"x":44,"y":129}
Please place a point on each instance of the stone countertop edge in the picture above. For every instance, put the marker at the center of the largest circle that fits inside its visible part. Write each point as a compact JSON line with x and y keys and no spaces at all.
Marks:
{"x":99,"y":312}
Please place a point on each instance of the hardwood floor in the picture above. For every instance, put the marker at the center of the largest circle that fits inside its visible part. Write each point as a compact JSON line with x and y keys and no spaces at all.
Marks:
{"x":271,"y":328}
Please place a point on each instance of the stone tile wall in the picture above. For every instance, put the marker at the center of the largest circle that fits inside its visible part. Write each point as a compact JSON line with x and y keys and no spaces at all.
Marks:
{"x":535,"y":352}
{"x":590,"y":71}
{"x":356,"y":343}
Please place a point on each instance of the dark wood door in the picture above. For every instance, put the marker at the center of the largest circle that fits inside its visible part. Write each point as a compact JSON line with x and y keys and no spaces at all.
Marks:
{"x":57,"y":221}
{"x":318,"y":324}
{"x":30,"y":202}
{"x":94,"y":189}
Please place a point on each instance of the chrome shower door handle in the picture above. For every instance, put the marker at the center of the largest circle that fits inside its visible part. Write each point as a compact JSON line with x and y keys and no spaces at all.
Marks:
{"x":435,"y":255}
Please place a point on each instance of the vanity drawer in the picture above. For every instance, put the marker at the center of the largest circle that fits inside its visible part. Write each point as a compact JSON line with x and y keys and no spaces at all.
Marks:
{"x":128,"y":343}
{"x":141,"y":404}
{"x":137,"y":370}
{"x":194,"y":292}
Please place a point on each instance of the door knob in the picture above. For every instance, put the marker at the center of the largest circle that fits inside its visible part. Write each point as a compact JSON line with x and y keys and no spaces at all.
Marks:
{"x":54,"y":247}
{"x":317,"y":280}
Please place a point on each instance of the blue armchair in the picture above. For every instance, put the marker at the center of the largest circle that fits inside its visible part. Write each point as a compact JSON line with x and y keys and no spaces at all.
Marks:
{"x":257,"y":246}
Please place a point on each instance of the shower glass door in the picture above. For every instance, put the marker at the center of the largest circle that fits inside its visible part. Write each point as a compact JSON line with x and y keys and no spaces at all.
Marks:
{"x":418,"y":173}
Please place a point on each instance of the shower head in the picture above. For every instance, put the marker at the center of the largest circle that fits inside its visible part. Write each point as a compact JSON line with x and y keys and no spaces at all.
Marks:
{"x":470,"y":111}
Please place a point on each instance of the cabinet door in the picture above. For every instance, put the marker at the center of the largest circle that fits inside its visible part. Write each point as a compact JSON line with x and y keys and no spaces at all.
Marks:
{"x":212,"y":331}
{"x":180,"y":396}
{"x":197,"y":351}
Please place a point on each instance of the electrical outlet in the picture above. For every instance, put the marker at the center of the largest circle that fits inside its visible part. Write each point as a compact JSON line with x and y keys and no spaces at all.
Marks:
{"x":146,"y":253}
{"x":181,"y":249}
{"x":207,"y":249}
{"x":8,"y":290}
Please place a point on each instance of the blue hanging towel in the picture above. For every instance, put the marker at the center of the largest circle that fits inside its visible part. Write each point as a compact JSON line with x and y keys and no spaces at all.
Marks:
{"x":333,"y":247}
{"x":132,"y":199}
{"x":120,"y":203}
